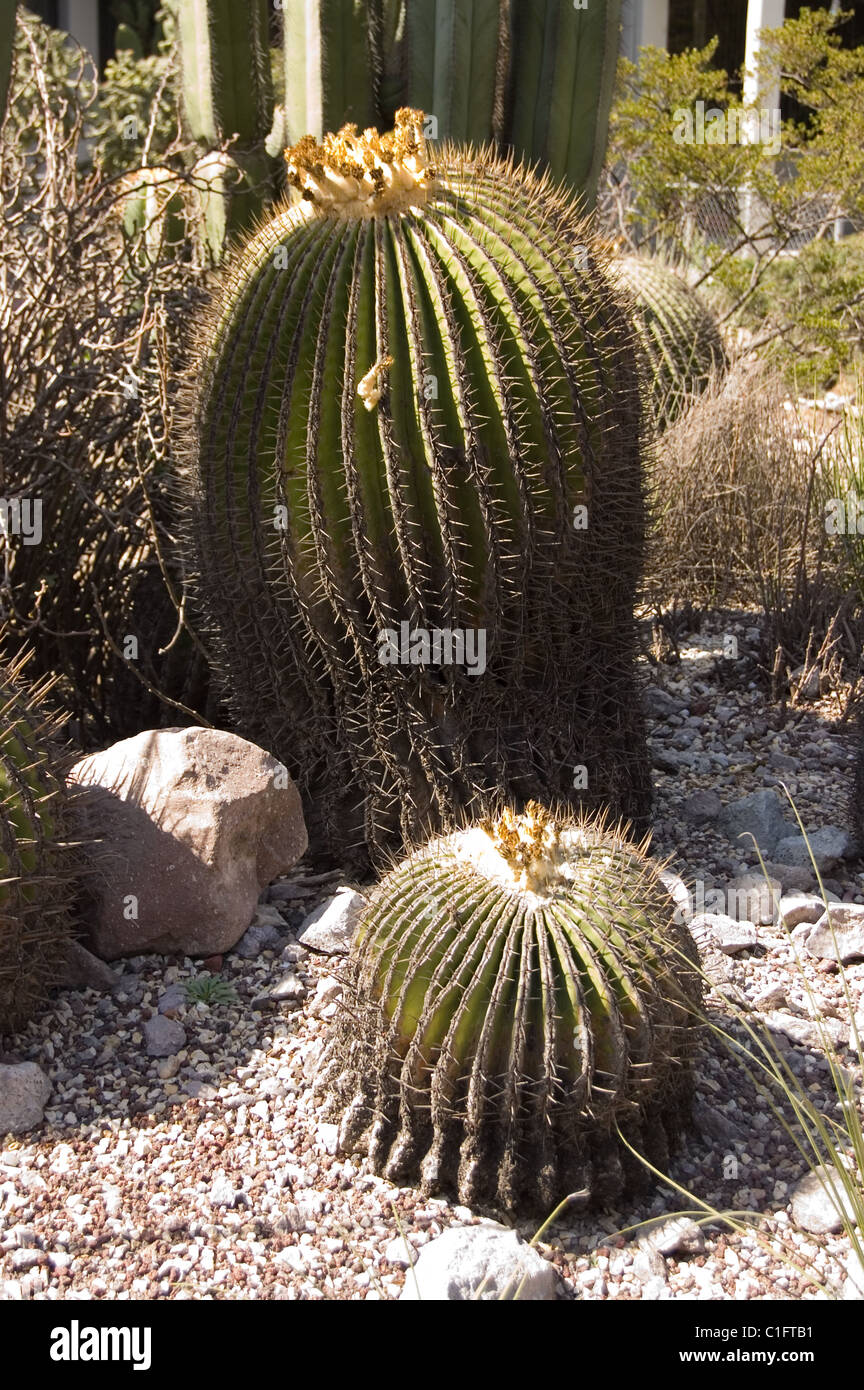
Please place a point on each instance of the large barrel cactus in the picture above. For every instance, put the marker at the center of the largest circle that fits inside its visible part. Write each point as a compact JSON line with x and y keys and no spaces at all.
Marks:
{"x":679,"y":336}
{"x":37,"y":871}
{"x":417,"y":503}
{"x":520,"y":993}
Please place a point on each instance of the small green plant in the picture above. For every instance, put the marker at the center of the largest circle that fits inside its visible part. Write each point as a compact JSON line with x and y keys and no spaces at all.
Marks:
{"x":210,"y":990}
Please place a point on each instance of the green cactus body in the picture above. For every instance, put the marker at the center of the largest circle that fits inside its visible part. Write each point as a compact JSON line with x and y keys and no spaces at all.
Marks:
{"x":680,"y":339}
{"x":8,"y":15}
{"x":560,"y":87}
{"x":330,"y":73}
{"x":227,"y":92}
{"x":401,"y":406}
{"x":36,"y":873}
{"x":519,"y":991}
{"x":153,"y":214}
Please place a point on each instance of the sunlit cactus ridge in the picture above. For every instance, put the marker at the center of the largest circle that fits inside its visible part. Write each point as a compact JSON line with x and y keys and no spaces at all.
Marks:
{"x":519,"y":993}
{"x":416,"y":407}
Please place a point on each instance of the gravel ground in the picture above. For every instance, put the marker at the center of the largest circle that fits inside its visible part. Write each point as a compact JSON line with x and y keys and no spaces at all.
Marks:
{"x":209,"y":1173}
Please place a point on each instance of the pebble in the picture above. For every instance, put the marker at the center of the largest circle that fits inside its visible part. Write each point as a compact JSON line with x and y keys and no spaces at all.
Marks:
{"x":163,"y":1036}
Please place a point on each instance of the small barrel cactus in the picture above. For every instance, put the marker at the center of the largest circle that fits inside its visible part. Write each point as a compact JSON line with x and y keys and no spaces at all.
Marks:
{"x":415,"y":457}
{"x":519,"y":991}
{"x":679,"y":336}
{"x":37,"y":873}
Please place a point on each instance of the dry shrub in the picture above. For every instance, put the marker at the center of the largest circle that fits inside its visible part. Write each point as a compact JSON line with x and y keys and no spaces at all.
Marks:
{"x":88,"y":328}
{"x":730,"y":493}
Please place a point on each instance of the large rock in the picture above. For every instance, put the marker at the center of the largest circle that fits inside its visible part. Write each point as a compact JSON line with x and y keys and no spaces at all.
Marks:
{"x":485,"y":1263}
{"x":24,"y":1092}
{"x":759,"y":815}
{"x":723,"y":933}
{"x":191,"y":825}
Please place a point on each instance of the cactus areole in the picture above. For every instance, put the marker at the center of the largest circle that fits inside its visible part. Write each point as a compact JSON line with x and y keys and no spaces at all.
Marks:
{"x":521,"y":997}
{"x":415,"y":439}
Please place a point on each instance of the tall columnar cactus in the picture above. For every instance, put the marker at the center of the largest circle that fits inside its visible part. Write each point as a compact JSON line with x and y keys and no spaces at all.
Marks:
{"x":332,"y":63}
{"x":679,"y":336}
{"x":227,"y":91}
{"x":8,"y":15}
{"x":36,"y":867}
{"x":535,"y":78}
{"x":518,"y":992}
{"x":417,"y":502}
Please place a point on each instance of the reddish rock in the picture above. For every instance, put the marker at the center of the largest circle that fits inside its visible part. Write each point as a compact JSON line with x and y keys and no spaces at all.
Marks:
{"x":189,"y":826}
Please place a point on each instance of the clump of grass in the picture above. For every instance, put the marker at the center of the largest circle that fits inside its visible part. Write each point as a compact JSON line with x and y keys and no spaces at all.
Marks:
{"x":210,"y":990}
{"x":830,"y":1145}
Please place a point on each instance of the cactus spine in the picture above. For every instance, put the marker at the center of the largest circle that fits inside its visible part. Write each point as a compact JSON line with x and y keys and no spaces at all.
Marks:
{"x":680,"y":339}
{"x":37,"y":881}
{"x":416,"y":411}
{"x":518,"y":991}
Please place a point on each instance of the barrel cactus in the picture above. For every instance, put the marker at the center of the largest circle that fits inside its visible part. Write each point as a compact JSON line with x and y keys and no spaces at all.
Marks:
{"x":679,"y":336}
{"x":519,"y":992}
{"x":37,"y":875}
{"x":415,"y":446}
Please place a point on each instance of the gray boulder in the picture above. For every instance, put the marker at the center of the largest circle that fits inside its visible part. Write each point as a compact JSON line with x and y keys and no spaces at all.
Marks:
{"x":24,"y":1092}
{"x":760,"y":815}
{"x":828,"y":845}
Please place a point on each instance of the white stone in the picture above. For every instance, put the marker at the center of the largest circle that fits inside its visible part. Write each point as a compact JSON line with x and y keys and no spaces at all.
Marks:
{"x":483,"y":1263}
{"x":752,"y":898}
{"x":333,"y":924}
{"x":841,"y":938}
{"x":723,"y":933}
{"x":820,"y":1201}
{"x":798,"y":907}
{"x":182,"y":829}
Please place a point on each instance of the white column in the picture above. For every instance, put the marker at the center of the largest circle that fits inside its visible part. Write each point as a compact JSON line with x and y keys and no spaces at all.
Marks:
{"x":654,"y":23}
{"x":761,"y":86}
{"x":80,"y":18}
